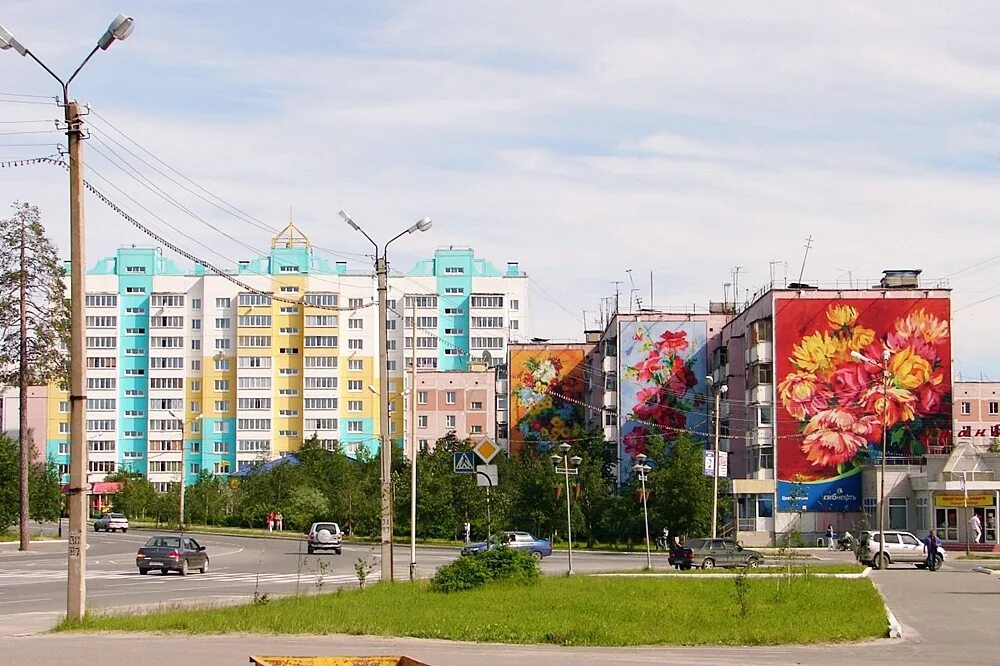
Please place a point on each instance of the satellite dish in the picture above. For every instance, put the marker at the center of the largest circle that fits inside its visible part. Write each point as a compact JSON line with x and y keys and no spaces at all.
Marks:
{"x":487,"y":358}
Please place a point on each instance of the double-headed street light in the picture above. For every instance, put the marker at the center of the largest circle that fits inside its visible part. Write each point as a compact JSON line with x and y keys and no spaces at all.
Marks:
{"x":642,"y":471}
{"x":886,"y":377}
{"x":385,"y":446}
{"x":569,"y":466}
{"x":76,"y":589}
{"x":718,"y":390}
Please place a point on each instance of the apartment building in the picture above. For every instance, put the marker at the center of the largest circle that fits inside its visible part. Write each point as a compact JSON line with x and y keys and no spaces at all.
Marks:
{"x":242,"y":367}
{"x":456,"y":401}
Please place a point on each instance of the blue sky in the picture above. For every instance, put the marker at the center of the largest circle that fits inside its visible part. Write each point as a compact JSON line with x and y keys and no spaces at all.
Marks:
{"x":579,"y":138}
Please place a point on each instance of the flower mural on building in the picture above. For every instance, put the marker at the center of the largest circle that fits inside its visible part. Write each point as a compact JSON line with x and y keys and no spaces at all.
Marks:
{"x":839,"y":404}
{"x":662,"y":363}
{"x":547,"y":390}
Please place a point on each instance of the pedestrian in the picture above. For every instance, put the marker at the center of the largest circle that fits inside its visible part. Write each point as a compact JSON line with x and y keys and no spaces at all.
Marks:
{"x":280,"y":521}
{"x":270,"y":521}
{"x":930,"y":547}
{"x":467,"y":530}
{"x":977,"y":527}
{"x":829,"y":537}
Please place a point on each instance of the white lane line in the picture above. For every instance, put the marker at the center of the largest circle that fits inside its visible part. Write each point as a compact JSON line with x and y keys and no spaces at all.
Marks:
{"x":21,"y":601}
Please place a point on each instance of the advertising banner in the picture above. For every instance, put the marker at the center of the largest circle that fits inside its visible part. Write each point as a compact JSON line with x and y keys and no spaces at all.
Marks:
{"x":952,"y":500}
{"x":832,"y":406}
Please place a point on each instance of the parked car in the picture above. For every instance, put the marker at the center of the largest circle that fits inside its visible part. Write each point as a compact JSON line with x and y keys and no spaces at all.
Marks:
{"x":111,"y":522}
{"x":899,"y":547}
{"x":538,"y":548}
{"x":711,"y":553}
{"x":325,"y":536}
{"x":171,"y":553}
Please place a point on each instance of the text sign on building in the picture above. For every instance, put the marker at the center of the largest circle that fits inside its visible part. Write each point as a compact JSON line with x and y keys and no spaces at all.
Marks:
{"x":709,"y":464}
{"x":486,"y":450}
{"x":958,"y":500}
{"x":465,"y":463}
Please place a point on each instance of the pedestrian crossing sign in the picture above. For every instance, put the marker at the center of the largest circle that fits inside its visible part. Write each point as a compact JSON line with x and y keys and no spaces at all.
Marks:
{"x":465,"y":463}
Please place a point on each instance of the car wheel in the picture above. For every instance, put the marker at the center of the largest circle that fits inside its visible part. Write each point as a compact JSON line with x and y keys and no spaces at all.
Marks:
{"x":125,"y":531}
{"x":184,"y":568}
{"x":753,"y":562}
{"x":204,"y":567}
{"x":938,"y":561}
{"x":536,"y":554}
{"x":143,"y":572}
{"x":96,"y":528}
{"x":709,"y":563}
{"x":310,"y":549}
{"x":880,"y":561}
{"x":163,"y":572}
{"x":338,"y":551}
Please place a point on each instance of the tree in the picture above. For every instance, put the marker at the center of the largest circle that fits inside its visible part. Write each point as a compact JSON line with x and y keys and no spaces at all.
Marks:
{"x":680,"y":495}
{"x":34,"y":323}
{"x":8,"y":486}
{"x":46,"y":494}
{"x":43,"y":482}
{"x":136,"y":497}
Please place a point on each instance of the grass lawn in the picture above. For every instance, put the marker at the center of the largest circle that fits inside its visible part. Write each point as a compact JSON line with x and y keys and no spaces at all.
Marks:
{"x":7,"y":537}
{"x":582,"y":610}
{"x":796,"y":569}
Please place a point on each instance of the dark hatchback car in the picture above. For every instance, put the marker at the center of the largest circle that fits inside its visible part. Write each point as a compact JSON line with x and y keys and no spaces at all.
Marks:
{"x":171,"y":553}
{"x":711,"y":553}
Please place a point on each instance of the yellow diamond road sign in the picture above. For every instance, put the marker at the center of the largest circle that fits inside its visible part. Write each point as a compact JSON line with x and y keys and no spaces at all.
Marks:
{"x":486,"y":450}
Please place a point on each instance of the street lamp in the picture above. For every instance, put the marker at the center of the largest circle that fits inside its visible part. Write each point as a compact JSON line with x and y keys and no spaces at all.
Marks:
{"x":718,"y":391}
{"x":183,"y":444}
{"x":569,"y":466}
{"x":385,"y":453}
{"x":76,"y":587}
{"x":642,"y":470}
{"x":886,"y":376}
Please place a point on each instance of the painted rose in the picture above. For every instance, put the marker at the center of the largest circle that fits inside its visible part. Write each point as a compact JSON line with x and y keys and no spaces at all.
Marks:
{"x":834,"y":436}
{"x":649,"y":367}
{"x":635,"y":441}
{"x":850,"y":381}
{"x":802,"y":396}
{"x":909,"y":369}
{"x":890,"y":407}
{"x":673,"y":342}
{"x":817,"y":352}
{"x":922,"y":332}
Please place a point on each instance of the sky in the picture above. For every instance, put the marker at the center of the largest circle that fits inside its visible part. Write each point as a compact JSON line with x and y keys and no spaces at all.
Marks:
{"x":592,"y":142}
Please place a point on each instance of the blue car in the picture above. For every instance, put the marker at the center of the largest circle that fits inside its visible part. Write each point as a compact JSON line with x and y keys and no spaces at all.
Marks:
{"x":538,"y":548}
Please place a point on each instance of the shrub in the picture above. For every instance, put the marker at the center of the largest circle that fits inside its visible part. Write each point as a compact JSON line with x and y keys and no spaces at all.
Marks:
{"x":472,"y":571}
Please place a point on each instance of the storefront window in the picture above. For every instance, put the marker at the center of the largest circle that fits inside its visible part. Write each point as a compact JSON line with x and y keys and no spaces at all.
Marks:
{"x":897,"y":513}
{"x":923,"y":522}
{"x":765,"y":506}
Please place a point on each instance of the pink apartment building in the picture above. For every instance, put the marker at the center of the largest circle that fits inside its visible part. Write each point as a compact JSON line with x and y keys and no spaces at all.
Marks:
{"x":463,"y":402}
{"x":37,"y":413}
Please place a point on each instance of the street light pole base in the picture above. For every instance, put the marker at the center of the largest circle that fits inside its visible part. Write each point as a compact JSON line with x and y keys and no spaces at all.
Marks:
{"x":413,"y":571}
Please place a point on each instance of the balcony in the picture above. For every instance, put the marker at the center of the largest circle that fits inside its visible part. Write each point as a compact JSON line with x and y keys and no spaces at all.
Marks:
{"x":759,"y":353}
{"x":611,"y":399}
{"x":611,"y":433}
{"x":760,"y":394}
{"x":609,"y":364}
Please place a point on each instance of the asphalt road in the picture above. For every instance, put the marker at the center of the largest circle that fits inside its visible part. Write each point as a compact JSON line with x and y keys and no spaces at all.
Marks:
{"x":33,"y":584}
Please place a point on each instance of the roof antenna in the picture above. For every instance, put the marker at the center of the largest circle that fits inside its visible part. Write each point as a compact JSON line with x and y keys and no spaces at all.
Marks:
{"x":802,"y":270}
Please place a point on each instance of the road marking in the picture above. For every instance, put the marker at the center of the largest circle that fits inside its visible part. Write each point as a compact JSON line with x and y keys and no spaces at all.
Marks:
{"x":21,"y":601}
{"x":306,"y":578}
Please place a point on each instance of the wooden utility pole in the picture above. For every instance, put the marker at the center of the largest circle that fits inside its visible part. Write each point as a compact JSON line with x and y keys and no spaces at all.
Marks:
{"x":22,"y":390}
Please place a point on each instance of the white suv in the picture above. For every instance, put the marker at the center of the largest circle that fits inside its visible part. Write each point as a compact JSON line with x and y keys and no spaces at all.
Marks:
{"x":899,"y":547}
{"x":325,"y":536}
{"x":111,"y":522}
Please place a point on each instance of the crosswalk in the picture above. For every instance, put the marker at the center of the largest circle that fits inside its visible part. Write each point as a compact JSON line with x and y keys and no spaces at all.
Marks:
{"x":217,"y":578}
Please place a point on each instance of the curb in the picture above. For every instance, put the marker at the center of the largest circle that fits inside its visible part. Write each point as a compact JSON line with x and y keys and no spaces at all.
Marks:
{"x":987,"y":571}
{"x":860,"y":574}
{"x":895,"y":629}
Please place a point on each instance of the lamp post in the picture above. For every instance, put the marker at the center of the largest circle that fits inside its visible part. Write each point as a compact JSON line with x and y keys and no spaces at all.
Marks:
{"x":569,"y":466}
{"x":886,"y":376}
{"x":385,"y":446}
{"x":180,"y":508}
{"x":718,"y":391}
{"x":642,"y":469}
{"x":76,"y":587}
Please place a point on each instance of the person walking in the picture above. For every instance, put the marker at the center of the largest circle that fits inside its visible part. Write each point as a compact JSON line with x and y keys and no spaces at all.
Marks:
{"x":976,"y":525}
{"x":279,"y":521}
{"x":930,"y":548}
{"x":829,"y":537}
{"x":270,"y":521}
{"x":467,"y":530}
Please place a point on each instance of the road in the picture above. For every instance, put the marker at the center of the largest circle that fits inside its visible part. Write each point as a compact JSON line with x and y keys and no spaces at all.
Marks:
{"x":948,"y":615}
{"x":33,"y":584}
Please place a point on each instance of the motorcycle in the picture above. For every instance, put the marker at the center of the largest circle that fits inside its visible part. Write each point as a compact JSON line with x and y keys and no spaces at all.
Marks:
{"x":846,"y":542}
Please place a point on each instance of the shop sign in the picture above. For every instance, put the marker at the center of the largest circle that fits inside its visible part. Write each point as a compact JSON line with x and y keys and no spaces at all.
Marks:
{"x":958,"y":500}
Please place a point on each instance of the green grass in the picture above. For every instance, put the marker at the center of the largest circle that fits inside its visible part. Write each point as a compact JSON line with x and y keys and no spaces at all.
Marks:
{"x":581,"y":610}
{"x":797,"y":569}
{"x":7,"y":537}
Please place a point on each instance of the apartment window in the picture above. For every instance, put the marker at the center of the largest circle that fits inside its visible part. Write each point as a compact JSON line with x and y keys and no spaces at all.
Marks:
{"x":355,"y":426}
{"x":514,"y":304}
{"x":355,"y":324}
{"x":99,"y":383}
{"x":994,"y":408}
{"x":449,"y":421}
{"x":289,"y":309}
{"x":761,"y":331}
{"x":101,"y":445}
{"x":102,"y":301}
{"x":288,"y":372}
{"x":421,"y":421}
{"x":134,"y":393}
{"x":195,"y":345}
{"x":487,"y":322}
{"x":166,"y":342}
{"x":94,"y":404}
{"x":167,"y":403}
{"x":221,"y":406}
{"x":355,"y":343}
{"x":321,"y":424}
{"x":286,"y":413}
{"x":134,"y":372}
{"x":103,"y":342}
{"x":288,"y":391}
{"x":449,"y":397}
{"x":486,"y":343}
{"x":254,"y":299}
{"x":167,"y":362}
{"x":221,"y":467}
{"x":897,"y":513}
{"x":390,"y":366}
{"x":196,"y":324}
{"x":101,"y":425}
{"x":253,"y":446}
{"x":454,"y":331}
{"x":102,"y":322}
{"x":254,"y":341}
{"x":321,"y":320}
{"x":454,"y":270}
{"x":63,"y":428}
{"x":355,"y":364}
{"x":170,"y":383}
{"x":966,"y":408}
{"x":476,"y":406}
{"x":221,"y":447}
{"x":195,"y":385}
{"x":354,"y":385}
{"x":321,"y":362}
{"x":321,"y":299}
{"x":223,"y":302}
{"x":254,"y":424}
{"x":254,"y":383}
{"x":321,"y":382}
{"x":196,"y":365}
{"x":288,"y":351}
{"x":422,"y":322}
{"x":106,"y":466}
{"x":196,"y":468}
{"x":254,"y":403}
{"x":454,"y":311}
{"x":454,"y":290}
{"x":390,"y":345}
{"x":135,"y":290}
{"x":355,"y":303}
{"x":320,"y":341}
{"x":427,"y":362}
{"x":255,"y":362}
{"x":196,"y":304}
{"x":222,"y":364}
{"x":514,"y":325}
{"x":134,"y":413}
{"x":288,"y":269}
{"x":135,"y":331}
{"x":288,"y":289}
{"x":255,"y":321}
{"x":486,"y":301}
{"x":135,"y":310}
{"x":476,"y":429}
{"x":166,"y":322}
{"x":221,"y":385}
{"x":320,"y":403}
{"x":421,"y":301}
{"x":166,"y":301}
{"x":355,"y":405}
{"x":288,"y":330}
{"x":390,"y":324}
